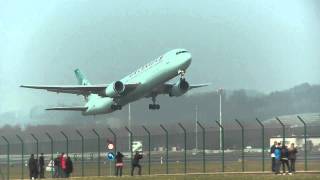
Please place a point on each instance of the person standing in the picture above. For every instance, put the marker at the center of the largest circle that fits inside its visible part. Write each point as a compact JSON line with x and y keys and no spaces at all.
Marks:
{"x":135,"y":162}
{"x":277,"y":157}
{"x":41,"y":166}
{"x":69,"y":167}
{"x":32,"y":167}
{"x":57,"y":168}
{"x":119,"y":164}
{"x":292,"y":157}
{"x":63,"y":160}
{"x":273,"y":161}
{"x":284,"y":159}
{"x":36,"y":171}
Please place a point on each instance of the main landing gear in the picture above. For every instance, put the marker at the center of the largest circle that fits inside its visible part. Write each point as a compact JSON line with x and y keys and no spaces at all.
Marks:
{"x":116,"y":107}
{"x":154,"y":106}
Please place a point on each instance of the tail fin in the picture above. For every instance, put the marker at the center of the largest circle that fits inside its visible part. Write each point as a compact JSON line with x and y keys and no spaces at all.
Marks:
{"x":82,"y":80}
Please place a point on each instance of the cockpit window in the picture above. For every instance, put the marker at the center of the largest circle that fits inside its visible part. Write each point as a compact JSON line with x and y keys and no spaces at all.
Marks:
{"x":180,"y":52}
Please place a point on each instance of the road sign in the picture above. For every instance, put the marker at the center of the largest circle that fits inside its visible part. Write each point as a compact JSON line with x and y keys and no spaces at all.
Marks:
{"x":110,"y":146}
{"x":110,"y":156}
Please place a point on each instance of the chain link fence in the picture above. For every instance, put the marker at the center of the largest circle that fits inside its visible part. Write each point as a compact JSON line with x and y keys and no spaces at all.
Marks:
{"x":167,"y":149}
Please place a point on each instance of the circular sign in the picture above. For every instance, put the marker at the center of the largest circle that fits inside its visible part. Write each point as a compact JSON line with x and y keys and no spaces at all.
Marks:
{"x":110,"y":146}
{"x":110,"y":156}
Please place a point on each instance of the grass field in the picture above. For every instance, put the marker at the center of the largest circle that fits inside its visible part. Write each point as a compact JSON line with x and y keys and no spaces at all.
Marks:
{"x":212,"y":176}
{"x":176,"y":168}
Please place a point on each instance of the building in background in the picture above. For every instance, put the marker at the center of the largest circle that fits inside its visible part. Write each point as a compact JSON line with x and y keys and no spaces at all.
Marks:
{"x":313,"y":143}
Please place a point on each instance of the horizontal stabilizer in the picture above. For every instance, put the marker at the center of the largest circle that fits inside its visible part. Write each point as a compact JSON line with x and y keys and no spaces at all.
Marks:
{"x":76,"y":108}
{"x":192,"y":86}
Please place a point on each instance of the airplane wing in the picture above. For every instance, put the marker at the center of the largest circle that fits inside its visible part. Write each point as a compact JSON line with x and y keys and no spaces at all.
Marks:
{"x":165,"y":88}
{"x":76,"y":108}
{"x":78,"y":89}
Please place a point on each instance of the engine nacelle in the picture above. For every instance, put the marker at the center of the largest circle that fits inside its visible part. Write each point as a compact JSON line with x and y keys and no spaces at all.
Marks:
{"x":181,"y":87}
{"x":114,"y":90}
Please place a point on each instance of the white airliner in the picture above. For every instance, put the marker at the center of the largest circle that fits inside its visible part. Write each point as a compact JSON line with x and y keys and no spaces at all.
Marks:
{"x":148,"y":81}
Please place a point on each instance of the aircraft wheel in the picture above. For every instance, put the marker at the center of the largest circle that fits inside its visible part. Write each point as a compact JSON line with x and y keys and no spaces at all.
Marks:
{"x":154,"y":106}
{"x":116,"y":107}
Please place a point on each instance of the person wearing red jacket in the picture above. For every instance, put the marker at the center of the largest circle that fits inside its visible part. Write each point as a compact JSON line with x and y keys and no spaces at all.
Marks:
{"x":63,"y":166}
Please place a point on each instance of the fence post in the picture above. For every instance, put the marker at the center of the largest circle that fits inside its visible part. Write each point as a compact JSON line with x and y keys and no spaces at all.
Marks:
{"x":130,"y":136}
{"x":67,"y":141}
{"x":1,"y":174}
{"x":203,"y":146}
{"x":222,"y":144}
{"x":242,"y":144}
{"x":149,"y":148}
{"x":115,"y":146}
{"x":262,"y":142}
{"x":167,"y":147}
{"x":22,"y":153}
{"x":185,"y":147}
{"x":37,"y":144}
{"x":8,"y":156}
{"x":283,"y":131}
{"x":305,"y":143}
{"x":82,"y":152}
{"x":96,"y":133}
{"x":51,"y":145}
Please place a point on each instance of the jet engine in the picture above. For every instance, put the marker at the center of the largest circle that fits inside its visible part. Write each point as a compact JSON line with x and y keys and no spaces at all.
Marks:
{"x":181,"y":87}
{"x":114,"y":89}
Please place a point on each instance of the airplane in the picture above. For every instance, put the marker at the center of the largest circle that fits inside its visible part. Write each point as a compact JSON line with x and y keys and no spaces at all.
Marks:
{"x":149,"y":81}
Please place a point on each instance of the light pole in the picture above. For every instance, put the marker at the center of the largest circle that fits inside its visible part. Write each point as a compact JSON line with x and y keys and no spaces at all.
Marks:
{"x":220,"y":91}
{"x":129,"y":124}
{"x":196,"y":128}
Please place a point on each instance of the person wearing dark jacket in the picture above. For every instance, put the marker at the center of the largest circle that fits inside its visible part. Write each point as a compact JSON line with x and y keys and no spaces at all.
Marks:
{"x":285,"y":159}
{"x":119,"y":163}
{"x":69,"y":167}
{"x":292,"y":157}
{"x":273,"y":161}
{"x":41,"y":166}
{"x":37,"y":169}
{"x":32,"y":164}
{"x":135,"y":162}
{"x":57,"y":168}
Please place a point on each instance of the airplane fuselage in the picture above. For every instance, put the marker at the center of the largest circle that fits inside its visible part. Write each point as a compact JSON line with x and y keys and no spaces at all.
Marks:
{"x":150,"y":76}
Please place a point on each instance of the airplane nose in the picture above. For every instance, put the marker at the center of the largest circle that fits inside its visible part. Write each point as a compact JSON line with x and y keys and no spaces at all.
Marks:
{"x":189,"y":58}
{"x":186,"y":60}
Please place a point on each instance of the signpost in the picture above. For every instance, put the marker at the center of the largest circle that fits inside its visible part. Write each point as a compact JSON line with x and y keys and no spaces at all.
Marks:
{"x":110,"y":154}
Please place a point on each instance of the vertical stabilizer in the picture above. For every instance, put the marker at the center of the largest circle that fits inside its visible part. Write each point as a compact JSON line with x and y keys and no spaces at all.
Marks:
{"x":82,"y":80}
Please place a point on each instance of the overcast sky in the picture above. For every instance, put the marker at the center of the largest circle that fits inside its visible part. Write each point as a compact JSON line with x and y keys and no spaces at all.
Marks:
{"x":264,"y":45}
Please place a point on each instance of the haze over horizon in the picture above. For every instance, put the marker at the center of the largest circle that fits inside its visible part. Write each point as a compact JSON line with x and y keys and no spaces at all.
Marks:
{"x":260,"y":45}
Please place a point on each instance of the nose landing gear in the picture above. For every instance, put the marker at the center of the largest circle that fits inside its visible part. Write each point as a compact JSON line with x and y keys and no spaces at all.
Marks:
{"x":181,"y":73}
